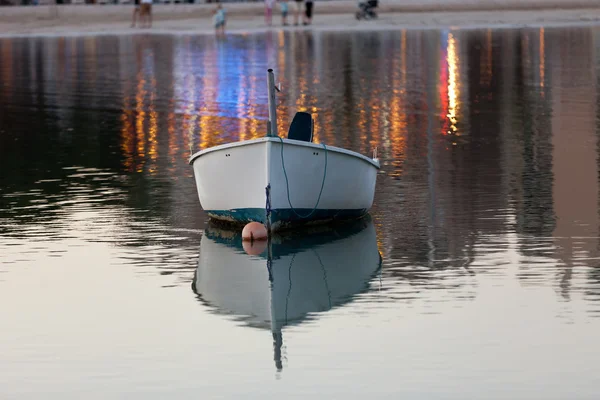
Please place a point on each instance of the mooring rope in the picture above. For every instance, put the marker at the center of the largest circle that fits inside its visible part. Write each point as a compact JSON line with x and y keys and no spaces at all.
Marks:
{"x":287,"y":183}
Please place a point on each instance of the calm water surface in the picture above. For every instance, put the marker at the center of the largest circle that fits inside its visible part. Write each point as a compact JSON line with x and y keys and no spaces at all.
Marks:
{"x":486,"y":217}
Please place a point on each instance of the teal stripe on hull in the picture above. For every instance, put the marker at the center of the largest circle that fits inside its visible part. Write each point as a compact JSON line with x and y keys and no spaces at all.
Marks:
{"x":282,"y":218}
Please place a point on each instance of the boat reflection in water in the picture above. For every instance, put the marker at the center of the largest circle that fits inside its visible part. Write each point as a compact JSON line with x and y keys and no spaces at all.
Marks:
{"x":291,"y":279}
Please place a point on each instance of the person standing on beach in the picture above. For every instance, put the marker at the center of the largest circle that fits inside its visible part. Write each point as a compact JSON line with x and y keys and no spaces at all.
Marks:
{"x":297,"y":11}
{"x":146,"y":14}
{"x":136,"y":11}
{"x":284,"y":12}
{"x":308,"y":12}
{"x":269,"y":11}
{"x":220,"y":19}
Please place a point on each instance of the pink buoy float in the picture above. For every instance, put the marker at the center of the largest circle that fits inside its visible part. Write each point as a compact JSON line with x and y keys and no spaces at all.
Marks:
{"x":254,"y":238}
{"x":254,"y":231}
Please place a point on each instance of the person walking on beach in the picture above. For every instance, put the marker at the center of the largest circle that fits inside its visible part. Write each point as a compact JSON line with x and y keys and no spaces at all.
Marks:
{"x":146,"y":14}
{"x":220,"y":20}
{"x":308,"y":12}
{"x":136,"y":12}
{"x":269,"y":11}
{"x":284,"y":12}
{"x":298,"y":11}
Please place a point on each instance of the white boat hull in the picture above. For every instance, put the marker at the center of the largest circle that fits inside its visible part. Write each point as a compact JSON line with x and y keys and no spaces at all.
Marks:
{"x":235,"y":180}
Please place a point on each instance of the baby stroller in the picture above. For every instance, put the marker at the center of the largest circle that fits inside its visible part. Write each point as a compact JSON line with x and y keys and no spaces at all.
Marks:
{"x":366,"y":9}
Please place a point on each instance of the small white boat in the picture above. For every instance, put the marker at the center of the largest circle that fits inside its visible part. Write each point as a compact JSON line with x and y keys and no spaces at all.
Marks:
{"x":295,"y":278}
{"x":284,"y":181}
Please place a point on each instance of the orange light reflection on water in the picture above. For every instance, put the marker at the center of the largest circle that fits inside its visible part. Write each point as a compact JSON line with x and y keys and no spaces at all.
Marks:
{"x":242,"y":98}
{"x":282,"y":108}
{"x":210,"y":134}
{"x":307,"y":103}
{"x":453,"y":85}
{"x":127,"y":142}
{"x":363,"y":117}
{"x":398,"y":121}
{"x":376,"y":108}
{"x":256,"y":126}
{"x":140,"y":114}
{"x":189,"y":90}
{"x":153,"y":127}
{"x":172,"y":132}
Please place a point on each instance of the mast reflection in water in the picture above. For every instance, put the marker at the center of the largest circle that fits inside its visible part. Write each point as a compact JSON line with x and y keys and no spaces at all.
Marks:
{"x":295,"y":278}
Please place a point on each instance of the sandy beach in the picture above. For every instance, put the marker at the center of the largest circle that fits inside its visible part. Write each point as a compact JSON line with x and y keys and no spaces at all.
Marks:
{"x":329,"y":15}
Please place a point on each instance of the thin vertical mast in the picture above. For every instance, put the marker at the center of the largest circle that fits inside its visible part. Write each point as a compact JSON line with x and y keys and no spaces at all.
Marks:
{"x":272,"y":128}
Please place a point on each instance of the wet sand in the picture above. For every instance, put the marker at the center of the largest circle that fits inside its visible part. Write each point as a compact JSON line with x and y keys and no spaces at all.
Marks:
{"x":333,"y":15}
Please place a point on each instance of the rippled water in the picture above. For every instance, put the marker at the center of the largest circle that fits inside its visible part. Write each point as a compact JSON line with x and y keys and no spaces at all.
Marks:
{"x":112,"y":284}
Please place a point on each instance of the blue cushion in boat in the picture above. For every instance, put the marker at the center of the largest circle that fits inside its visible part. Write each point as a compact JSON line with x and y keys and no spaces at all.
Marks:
{"x":301,"y":127}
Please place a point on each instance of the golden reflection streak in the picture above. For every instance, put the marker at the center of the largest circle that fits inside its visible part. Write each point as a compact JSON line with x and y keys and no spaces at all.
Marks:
{"x":153,"y":128}
{"x":127,"y":129}
{"x":282,"y":117}
{"x":381,"y":113}
{"x":190,"y":115}
{"x":140,"y":117}
{"x":371,"y":112}
{"x":376,"y":111}
{"x":317,"y":125}
{"x":209,"y":86}
{"x":254,"y":124}
{"x":362,"y":120}
{"x":329,"y":127}
{"x":241,"y":103}
{"x":281,"y":41}
{"x":397,"y":111}
{"x":302,"y":88}
{"x":542,"y":58}
{"x":256,"y":127}
{"x":329,"y":123}
{"x":127,"y":145}
{"x":126,"y":139}
{"x":453,"y":89}
{"x":242,"y":106}
{"x":282,"y":109}
{"x":172,"y":132}
{"x":306,"y":103}
{"x":172,"y":137}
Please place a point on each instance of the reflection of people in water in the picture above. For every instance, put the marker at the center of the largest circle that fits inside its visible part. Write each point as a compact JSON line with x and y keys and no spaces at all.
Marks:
{"x":277,"y":343}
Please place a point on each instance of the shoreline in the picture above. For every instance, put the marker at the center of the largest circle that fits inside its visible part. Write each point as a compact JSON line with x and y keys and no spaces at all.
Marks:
{"x":324,"y":29}
{"x":247,"y":18}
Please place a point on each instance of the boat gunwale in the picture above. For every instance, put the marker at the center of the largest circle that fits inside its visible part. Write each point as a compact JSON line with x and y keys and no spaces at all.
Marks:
{"x":316,"y":146}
